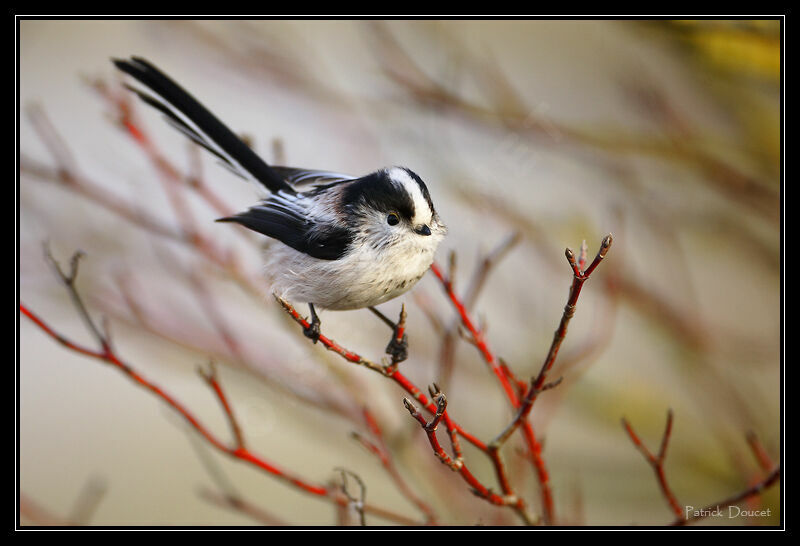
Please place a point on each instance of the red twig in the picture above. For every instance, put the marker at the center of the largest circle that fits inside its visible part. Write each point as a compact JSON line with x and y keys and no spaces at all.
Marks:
{"x":508,"y":381}
{"x":579,"y":278}
{"x":538,"y":384}
{"x":238,"y":451}
{"x":210,"y":377}
{"x":388,"y":371}
{"x":438,"y":407}
{"x":761,"y":455}
{"x":486,"y":264}
{"x":477,"y":335}
{"x":456,"y":465}
{"x":657,"y":462}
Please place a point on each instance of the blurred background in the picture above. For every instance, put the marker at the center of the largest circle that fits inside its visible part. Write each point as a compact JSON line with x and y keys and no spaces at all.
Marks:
{"x":532,"y":136}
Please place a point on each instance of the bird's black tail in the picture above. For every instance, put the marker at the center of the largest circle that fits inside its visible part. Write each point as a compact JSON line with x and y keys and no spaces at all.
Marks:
{"x":193,"y":119}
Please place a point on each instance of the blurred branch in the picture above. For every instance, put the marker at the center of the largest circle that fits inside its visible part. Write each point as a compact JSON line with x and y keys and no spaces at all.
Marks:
{"x":237,"y":451}
{"x":36,"y":514}
{"x":761,"y":455}
{"x":509,"y":109}
{"x":81,"y":513}
{"x":381,"y":450}
{"x":691,"y":515}
{"x":68,"y":176}
{"x":241,"y":506}
{"x":657,"y":461}
{"x":356,"y":503}
{"x":508,"y":382}
{"x":742,"y":496}
{"x":438,"y":407}
{"x":486,"y":264}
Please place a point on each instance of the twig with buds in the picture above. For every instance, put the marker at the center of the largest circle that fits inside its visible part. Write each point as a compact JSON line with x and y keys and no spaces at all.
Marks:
{"x":510,"y":384}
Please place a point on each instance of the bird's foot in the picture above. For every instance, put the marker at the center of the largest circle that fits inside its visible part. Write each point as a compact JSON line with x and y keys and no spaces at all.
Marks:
{"x":312,"y":331}
{"x":398,"y":349}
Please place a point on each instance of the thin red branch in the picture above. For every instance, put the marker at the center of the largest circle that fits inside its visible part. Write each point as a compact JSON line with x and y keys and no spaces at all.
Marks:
{"x":456,"y":465}
{"x":534,"y":447}
{"x":389,"y":371}
{"x":328,"y":343}
{"x":437,"y":406}
{"x":508,"y":382}
{"x":657,"y":461}
{"x":486,"y":264}
{"x":537,"y":384}
{"x":238,"y":451}
{"x":210,"y":377}
{"x":761,"y":455}
{"x":477,"y":335}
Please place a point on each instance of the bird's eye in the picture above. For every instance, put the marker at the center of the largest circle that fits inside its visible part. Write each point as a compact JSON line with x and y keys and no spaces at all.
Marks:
{"x":392,"y":219}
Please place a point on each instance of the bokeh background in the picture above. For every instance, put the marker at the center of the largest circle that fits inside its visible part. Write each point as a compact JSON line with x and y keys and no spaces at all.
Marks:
{"x":664,"y":133}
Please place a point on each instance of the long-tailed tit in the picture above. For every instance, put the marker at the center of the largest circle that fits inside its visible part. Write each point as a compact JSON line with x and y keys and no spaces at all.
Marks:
{"x":344,"y":242}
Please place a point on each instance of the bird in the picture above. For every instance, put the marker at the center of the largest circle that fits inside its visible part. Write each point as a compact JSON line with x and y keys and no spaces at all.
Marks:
{"x":334,"y":241}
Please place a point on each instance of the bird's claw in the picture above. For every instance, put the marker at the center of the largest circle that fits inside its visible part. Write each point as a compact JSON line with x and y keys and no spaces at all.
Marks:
{"x":398,"y":350}
{"x":312,"y":331}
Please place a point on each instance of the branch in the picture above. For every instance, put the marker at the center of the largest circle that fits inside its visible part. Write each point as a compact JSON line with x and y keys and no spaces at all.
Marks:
{"x":750,"y":492}
{"x":84,"y":507}
{"x":761,"y":455}
{"x":437,"y":405}
{"x":456,"y":465}
{"x":107,"y":354}
{"x":381,"y":450}
{"x":486,"y":264}
{"x":508,"y":381}
{"x":241,"y":506}
{"x":657,"y":462}
{"x":357,"y":503}
{"x":537,"y":384}
{"x":391,"y":372}
{"x":210,"y":377}
{"x":68,"y":175}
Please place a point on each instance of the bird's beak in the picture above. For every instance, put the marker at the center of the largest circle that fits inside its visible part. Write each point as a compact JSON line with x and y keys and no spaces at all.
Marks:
{"x":423,"y":230}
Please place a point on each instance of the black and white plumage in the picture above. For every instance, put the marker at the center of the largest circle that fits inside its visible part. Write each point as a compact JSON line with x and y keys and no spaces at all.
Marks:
{"x":344,"y":242}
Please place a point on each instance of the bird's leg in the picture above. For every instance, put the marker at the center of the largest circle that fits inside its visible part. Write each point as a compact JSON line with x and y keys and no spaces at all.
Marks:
{"x":398,"y":346}
{"x":312,"y":332}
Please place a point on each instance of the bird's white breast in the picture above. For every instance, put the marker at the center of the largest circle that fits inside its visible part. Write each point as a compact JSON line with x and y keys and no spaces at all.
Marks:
{"x":366,"y":276}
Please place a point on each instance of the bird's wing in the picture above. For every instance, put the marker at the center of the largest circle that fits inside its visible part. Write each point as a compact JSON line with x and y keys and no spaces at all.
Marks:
{"x":185,"y":113}
{"x":301,"y":178}
{"x":287,"y":218}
